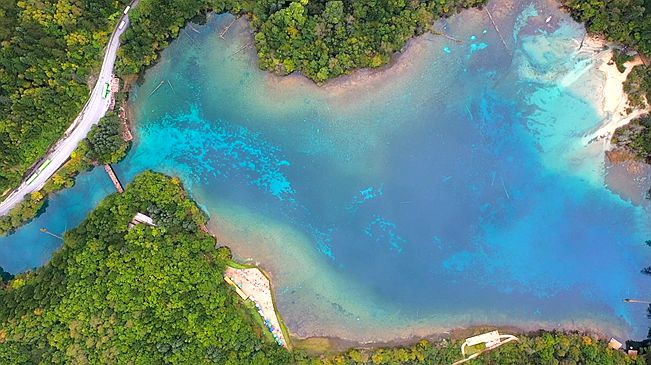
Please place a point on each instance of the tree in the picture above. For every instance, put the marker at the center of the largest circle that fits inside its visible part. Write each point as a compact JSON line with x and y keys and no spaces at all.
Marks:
{"x":105,"y":140}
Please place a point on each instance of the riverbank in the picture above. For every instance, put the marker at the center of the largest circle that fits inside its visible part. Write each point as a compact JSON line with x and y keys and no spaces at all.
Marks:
{"x":330,"y":346}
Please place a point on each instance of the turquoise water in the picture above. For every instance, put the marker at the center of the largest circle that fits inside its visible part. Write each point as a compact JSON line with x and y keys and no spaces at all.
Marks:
{"x":29,"y":248}
{"x":451,"y":189}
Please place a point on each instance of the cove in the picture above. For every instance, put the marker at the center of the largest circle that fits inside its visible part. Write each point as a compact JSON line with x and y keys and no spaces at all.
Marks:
{"x":451,"y":189}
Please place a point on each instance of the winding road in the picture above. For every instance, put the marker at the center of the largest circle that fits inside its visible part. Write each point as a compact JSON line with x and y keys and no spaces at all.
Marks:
{"x":94,"y":109}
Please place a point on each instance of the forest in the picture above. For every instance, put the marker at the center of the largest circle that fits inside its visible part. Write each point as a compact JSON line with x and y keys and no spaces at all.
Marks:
{"x":49,"y":51}
{"x":636,"y":138}
{"x":320,"y":39}
{"x":104,"y":144}
{"x":156,"y":295}
{"x":145,"y":295}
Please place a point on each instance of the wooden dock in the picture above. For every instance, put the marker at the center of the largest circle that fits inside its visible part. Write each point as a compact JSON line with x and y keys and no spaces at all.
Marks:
{"x":114,"y":178}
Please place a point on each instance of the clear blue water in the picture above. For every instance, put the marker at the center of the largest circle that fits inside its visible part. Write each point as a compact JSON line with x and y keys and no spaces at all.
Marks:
{"x":451,"y":189}
{"x":30,"y":248}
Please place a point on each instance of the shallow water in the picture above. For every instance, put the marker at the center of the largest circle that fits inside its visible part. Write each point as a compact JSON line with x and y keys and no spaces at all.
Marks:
{"x":449,"y":190}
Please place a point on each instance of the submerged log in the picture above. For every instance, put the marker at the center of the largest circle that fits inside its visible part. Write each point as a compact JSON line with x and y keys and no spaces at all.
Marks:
{"x":157,"y":87}
{"x":225,"y":30}
{"x":490,"y":16}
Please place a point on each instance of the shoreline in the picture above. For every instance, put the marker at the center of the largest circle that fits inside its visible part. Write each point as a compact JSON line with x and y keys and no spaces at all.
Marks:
{"x":410,"y":333}
{"x":346,"y":88}
{"x":614,"y":100}
{"x":333,"y":345}
{"x":336,"y":344}
{"x":402,"y":62}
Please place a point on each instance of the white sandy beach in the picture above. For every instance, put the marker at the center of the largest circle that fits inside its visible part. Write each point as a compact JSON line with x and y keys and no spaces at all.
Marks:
{"x":614,"y":100}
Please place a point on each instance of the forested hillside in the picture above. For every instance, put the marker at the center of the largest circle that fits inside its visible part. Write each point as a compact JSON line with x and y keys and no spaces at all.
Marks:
{"x":624,"y":21}
{"x":48,"y":52}
{"x":146,"y":295}
{"x":321,"y":39}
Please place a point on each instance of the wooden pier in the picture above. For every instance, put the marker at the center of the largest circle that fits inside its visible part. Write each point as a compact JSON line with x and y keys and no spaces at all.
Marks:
{"x":114,"y":178}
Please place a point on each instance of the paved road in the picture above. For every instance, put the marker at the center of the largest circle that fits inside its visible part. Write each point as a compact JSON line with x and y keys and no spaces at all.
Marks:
{"x":95,"y":108}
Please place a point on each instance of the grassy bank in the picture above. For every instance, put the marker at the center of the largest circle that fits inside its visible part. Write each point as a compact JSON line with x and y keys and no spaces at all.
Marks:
{"x":319,"y":39}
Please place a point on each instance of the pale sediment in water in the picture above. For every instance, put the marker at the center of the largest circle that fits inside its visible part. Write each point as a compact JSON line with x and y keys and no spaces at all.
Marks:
{"x":625,"y":174}
{"x":614,"y":100}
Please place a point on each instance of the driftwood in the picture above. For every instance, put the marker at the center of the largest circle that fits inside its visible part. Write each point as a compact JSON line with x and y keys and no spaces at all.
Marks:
{"x":436,"y":32}
{"x":496,"y":28}
{"x":504,"y":187}
{"x":242,"y":49}
{"x":193,"y":28}
{"x":172,"y":87}
{"x":225,"y":30}
{"x":157,"y":87}
{"x":582,"y":40}
{"x":189,"y":36}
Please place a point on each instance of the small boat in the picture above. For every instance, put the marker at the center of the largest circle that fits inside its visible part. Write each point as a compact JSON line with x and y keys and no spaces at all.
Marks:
{"x":548,"y":19}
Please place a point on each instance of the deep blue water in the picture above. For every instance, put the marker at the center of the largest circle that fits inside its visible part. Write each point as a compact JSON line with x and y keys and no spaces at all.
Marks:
{"x":29,"y":248}
{"x":451,"y":189}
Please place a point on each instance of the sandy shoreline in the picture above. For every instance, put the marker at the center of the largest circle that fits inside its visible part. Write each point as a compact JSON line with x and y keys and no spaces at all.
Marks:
{"x":346,"y":88}
{"x":335,"y":344}
{"x":614,"y":101}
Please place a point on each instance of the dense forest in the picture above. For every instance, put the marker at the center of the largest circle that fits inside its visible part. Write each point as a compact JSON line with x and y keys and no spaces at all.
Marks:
{"x":49,"y":50}
{"x":321,"y":39}
{"x":636,"y":138}
{"x":105,"y":140}
{"x":145,"y":295}
{"x":155,"y":295}
{"x":104,"y":144}
{"x":627,"y":22}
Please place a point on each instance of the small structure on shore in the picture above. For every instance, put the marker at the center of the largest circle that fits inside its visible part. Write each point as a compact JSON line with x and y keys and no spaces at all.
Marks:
{"x":482,"y":343}
{"x":614,"y":344}
{"x":634,"y":348}
{"x":140,"y":218}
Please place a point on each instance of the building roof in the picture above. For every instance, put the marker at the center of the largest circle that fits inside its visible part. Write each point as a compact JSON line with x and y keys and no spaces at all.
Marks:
{"x":614,"y":344}
{"x":488,"y":337}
